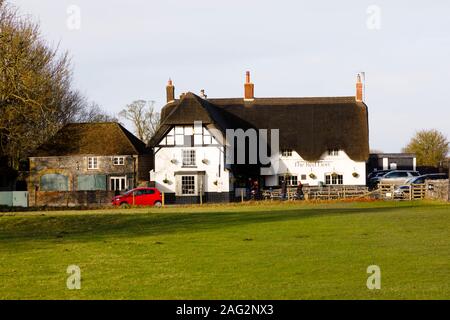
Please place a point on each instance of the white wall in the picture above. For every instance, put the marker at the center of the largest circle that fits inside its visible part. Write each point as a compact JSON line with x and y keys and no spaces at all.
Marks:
{"x":165,"y":168}
{"x":340,"y":164}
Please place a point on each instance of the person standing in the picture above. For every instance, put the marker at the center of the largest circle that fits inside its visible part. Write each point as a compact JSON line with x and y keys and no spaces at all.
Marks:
{"x":283,"y":189}
{"x":300,"y":194}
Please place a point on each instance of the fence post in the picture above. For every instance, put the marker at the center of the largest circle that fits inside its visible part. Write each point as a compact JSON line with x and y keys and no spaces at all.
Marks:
{"x":242,"y":195}
{"x":162,"y":199}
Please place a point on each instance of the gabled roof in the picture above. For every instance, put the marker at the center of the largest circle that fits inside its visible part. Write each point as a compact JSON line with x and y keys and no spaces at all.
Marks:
{"x":310,"y":126}
{"x":104,"y":138}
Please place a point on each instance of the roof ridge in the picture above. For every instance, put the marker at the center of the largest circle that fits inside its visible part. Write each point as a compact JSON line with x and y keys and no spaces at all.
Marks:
{"x":285,"y":99}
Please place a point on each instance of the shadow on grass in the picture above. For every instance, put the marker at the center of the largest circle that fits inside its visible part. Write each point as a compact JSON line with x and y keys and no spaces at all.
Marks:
{"x":91,"y":227}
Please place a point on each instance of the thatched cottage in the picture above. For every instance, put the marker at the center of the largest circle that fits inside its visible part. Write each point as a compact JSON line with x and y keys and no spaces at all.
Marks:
{"x":322,"y":141}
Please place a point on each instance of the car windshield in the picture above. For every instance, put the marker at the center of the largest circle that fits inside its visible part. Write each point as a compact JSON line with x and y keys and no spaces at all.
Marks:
{"x":418,"y":180}
{"x":128,"y":192}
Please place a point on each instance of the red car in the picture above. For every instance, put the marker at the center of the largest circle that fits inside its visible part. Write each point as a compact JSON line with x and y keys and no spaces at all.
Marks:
{"x":139,"y":197}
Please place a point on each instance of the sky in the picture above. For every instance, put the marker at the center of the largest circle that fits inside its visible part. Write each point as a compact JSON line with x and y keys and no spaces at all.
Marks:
{"x":126,"y":50}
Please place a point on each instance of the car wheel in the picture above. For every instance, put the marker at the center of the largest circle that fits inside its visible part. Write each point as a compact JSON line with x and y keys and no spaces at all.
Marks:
{"x":158,"y":204}
{"x":124,"y":205}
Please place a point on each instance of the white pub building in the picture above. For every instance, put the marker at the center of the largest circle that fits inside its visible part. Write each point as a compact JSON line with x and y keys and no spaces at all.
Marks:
{"x":322,"y":141}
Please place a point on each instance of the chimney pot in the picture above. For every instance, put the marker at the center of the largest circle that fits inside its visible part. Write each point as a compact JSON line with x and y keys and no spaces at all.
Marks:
{"x":170,"y":91}
{"x":249,"y":88}
{"x":359,"y":88}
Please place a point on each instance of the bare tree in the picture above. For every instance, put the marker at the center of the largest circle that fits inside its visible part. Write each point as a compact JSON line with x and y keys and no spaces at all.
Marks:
{"x":36,"y":93}
{"x":430,"y":146}
{"x":94,"y":113}
{"x":144,"y":118}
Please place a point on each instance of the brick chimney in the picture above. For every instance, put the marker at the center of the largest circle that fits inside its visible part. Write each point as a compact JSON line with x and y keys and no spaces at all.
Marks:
{"x":170,"y":91}
{"x":359,"y":88}
{"x":248,"y":88}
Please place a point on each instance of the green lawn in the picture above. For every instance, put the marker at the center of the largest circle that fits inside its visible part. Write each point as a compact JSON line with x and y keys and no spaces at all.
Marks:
{"x":259,"y":251}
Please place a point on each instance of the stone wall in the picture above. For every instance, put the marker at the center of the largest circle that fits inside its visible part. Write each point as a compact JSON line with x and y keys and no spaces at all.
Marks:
{"x":72,"y":167}
{"x":71,"y":198}
{"x":438,"y":190}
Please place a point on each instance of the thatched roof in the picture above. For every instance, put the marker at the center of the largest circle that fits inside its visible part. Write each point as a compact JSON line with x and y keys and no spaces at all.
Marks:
{"x":310,"y":126}
{"x":105,"y":138}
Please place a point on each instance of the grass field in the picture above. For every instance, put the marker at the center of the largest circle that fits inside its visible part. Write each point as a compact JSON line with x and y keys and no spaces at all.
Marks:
{"x":253,"y":251}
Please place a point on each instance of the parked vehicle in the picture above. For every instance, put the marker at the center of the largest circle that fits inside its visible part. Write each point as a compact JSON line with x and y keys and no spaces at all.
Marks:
{"x":377,"y":173}
{"x":139,"y":197}
{"x":396,"y":177}
{"x":402,"y":191}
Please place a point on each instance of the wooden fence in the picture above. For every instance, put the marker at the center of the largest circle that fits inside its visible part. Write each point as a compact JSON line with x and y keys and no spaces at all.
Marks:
{"x":391,"y":192}
{"x":318,"y":193}
{"x":383,"y":192}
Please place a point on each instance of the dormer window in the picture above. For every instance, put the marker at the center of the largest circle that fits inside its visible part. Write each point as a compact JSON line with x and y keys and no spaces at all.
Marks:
{"x":286,"y":153}
{"x":333,"y":152}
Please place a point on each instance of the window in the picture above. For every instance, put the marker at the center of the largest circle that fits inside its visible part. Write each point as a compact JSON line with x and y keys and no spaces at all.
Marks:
{"x":286,"y":153}
{"x":188,"y":141}
{"x":149,"y":191}
{"x":118,"y":183}
{"x":139,"y":193}
{"x":54,"y":182}
{"x":303,"y":177}
{"x":290,"y":180}
{"x":92,"y":163}
{"x":188,"y":158}
{"x":119,"y":161}
{"x":396,"y":174}
{"x":91,"y":182}
{"x":333,"y":152}
{"x":188,"y":185}
{"x":334,"y":179}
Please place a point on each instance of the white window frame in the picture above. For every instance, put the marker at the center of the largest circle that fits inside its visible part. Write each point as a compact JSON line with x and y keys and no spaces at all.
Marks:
{"x":120,"y":160}
{"x":120,"y":184}
{"x":92,"y":163}
{"x":188,"y":158}
{"x":334,"y":180}
{"x":194,"y":190}
{"x":289,"y":179}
